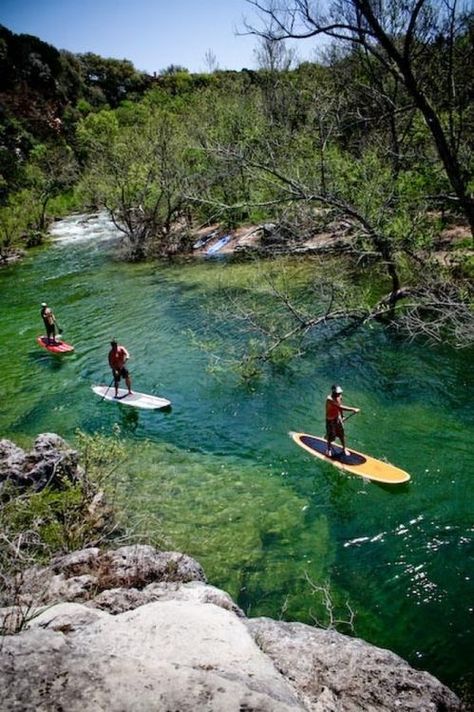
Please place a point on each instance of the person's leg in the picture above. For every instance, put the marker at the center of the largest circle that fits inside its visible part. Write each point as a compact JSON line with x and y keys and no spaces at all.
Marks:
{"x":116,"y":382}
{"x":126,"y":377}
{"x":342,"y":438}
{"x":339,"y":428}
{"x":329,"y":438}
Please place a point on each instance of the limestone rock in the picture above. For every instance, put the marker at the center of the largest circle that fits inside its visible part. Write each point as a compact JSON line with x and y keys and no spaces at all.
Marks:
{"x":170,"y":655}
{"x":82,"y":575}
{"x":336,"y":673}
{"x":119,"y":600}
{"x":153,"y":635}
{"x":50,"y":462}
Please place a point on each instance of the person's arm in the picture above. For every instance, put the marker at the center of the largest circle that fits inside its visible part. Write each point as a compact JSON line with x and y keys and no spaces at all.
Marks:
{"x":350,"y":409}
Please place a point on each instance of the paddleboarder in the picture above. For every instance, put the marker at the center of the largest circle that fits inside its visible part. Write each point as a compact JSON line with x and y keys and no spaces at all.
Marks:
{"x":335,"y":418}
{"x":49,"y":321}
{"x":118,"y":356}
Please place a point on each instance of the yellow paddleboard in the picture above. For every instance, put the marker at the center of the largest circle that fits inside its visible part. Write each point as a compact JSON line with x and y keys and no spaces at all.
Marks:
{"x":356,"y":462}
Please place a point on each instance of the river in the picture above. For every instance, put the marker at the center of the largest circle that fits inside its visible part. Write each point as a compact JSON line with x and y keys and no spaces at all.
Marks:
{"x":217,"y":475}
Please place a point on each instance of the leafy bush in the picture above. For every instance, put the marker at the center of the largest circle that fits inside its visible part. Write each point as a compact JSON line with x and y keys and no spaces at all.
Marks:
{"x":38,"y":525}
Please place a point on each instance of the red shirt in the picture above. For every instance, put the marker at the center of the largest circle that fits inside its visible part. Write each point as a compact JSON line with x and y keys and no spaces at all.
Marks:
{"x":333,"y":408}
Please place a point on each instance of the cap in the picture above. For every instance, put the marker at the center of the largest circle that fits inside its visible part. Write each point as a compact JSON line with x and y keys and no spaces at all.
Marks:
{"x":43,"y":304}
{"x":337,"y":389}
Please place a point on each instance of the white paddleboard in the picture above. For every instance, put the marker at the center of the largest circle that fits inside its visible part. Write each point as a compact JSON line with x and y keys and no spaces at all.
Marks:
{"x":138,"y":400}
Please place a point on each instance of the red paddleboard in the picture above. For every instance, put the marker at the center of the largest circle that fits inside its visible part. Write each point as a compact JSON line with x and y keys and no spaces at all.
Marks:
{"x":54,"y":347}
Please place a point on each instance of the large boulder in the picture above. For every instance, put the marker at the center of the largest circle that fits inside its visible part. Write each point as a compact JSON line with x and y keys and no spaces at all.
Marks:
{"x":332,"y":672}
{"x":171,"y":655}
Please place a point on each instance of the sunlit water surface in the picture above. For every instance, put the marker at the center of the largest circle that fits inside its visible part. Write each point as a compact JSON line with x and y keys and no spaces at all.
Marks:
{"x":218,"y":477}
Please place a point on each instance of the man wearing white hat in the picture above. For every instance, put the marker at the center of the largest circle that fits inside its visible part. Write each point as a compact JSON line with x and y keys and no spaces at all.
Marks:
{"x":335,"y":418}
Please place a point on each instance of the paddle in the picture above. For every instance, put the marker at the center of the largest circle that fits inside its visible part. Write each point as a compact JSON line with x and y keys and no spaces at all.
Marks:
{"x":108,"y":388}
{"x":346,"y":417}
{"x":59,"y":330}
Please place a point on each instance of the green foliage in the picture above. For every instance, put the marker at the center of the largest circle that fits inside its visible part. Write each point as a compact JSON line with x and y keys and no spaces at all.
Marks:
{"x":110,"y":81}
{"x":98,"y":131}
{"x":37,"y":525}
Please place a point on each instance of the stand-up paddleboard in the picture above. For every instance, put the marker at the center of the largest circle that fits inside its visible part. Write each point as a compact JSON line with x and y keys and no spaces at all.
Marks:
{"x":356,"y":462}
{"x":54,"y":347}
{"x":138,"y":400}
{"x":218,"y":245}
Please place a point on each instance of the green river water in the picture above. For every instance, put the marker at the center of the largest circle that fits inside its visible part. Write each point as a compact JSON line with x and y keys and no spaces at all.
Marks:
{"x":218,"y":476}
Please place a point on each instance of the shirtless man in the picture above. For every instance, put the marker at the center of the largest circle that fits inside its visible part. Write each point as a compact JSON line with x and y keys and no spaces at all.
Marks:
{"x":335,"y":418}
{"x":118,"y":356}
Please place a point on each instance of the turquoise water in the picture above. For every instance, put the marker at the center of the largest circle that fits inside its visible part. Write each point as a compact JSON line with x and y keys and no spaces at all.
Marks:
{"x":218,"y":477}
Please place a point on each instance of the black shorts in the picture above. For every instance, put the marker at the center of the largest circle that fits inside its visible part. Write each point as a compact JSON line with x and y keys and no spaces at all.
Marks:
{"x":120,"y":373}
{"x":334,"y":429}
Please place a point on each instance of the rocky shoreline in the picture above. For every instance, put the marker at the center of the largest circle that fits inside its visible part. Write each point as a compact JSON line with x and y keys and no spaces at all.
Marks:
{"x":140,"y":629}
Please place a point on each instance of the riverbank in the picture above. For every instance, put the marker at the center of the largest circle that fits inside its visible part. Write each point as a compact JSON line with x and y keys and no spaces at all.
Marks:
{"x":453,"y":248}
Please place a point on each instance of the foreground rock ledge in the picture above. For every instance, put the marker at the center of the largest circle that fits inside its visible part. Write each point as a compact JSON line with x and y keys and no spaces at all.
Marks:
{"x":136,"y":629}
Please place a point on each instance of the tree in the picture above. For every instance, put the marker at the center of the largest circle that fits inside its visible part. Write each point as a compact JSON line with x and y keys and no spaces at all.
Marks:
{"x":210,"y":61}
{"x":51,"y":170}
{"x":274,"y":56}
{"x":110,"y":80}
{"x":137,"y":171}
{"x":401,"y":36}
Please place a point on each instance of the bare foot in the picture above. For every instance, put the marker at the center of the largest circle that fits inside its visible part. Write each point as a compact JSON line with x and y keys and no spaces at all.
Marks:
{"x":346,"y":452}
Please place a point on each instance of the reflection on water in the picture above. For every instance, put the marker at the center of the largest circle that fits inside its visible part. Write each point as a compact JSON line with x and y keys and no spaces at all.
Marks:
{"x":218,"y":476}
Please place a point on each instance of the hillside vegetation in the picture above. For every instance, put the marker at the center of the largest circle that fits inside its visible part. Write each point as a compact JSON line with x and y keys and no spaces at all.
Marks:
{"x":373,"y":141}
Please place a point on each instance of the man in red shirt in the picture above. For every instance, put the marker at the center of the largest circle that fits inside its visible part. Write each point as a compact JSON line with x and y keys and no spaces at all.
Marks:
{"x":118,"y":356}
{"x":335,"y":419}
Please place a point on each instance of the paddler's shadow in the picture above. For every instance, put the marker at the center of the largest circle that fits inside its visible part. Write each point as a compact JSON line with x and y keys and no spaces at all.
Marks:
{"x":395,"y":488}
{"x":129,"y":419}
{"x":340,"y":490}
